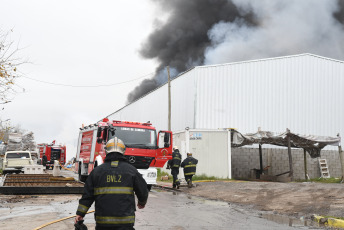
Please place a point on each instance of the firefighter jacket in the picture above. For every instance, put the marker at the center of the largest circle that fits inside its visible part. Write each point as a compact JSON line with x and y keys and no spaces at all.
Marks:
{"x":176,"y":159}
{"x":189,"y":165}
{"x":112,"y":186}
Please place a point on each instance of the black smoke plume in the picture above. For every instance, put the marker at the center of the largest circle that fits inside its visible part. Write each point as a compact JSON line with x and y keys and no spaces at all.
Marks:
{"x":218,"y":31}
{"x":180,"y":43}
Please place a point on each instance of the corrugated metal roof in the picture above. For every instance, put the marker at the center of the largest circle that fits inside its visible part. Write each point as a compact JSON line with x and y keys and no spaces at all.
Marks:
{"x":269,"y":59}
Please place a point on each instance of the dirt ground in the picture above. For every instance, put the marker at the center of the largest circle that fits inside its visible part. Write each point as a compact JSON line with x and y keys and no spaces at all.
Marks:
{"x":42,"y":209}
{"x":293,"y":199}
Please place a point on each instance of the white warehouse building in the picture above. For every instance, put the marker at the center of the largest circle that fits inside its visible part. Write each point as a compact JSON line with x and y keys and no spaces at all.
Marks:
{"x":304,"y":93}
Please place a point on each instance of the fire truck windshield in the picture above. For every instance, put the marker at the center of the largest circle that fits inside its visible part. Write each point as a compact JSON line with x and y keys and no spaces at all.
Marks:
{"x":136,"y":137}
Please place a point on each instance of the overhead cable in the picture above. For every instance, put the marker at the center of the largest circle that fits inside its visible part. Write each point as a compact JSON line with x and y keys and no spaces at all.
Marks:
{"x":87,"y":86}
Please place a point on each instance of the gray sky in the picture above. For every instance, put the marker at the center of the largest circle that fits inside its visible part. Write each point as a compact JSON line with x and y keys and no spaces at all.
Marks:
{"x":76,"y":43}
{"x":102,"y":43}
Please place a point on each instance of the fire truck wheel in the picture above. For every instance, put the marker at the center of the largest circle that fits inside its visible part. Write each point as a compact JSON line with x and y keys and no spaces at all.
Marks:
{"x":149,"y":187}
{"x":82,"y":178}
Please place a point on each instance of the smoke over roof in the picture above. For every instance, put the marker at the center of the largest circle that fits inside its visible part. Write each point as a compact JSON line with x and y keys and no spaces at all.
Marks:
{"x":199,"y":32}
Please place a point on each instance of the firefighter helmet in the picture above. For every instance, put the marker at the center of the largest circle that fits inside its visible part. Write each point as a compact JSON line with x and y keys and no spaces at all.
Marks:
{"x":189,"y":154}
{"x":175,"y":147}
{"x":115,"y":145}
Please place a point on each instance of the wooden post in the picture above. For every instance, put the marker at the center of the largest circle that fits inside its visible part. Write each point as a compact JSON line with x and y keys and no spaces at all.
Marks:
{"x":269,"y":161}
{"x":305,"y":162}
{"x":341,"y":161}
{"x":291,"y":174}
{"x":260,"y":158}
{"x":340,"y":152}
{"x":169,"y":99}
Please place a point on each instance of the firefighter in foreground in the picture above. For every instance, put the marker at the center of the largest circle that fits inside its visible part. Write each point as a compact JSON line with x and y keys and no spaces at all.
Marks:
{"x":189,"y":165}
{"x":112,"y":186}
{"x":174,"y":165}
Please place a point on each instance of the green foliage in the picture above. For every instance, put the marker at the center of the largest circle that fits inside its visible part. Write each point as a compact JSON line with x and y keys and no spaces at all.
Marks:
{"x":181,"y":175}
{"x":205,"y":177}
{"x":161,"y":174}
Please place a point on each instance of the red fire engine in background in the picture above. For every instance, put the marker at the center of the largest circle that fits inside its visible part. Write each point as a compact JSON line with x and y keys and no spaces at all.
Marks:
{"x":48,"y":153}
{"x":145,"y":149}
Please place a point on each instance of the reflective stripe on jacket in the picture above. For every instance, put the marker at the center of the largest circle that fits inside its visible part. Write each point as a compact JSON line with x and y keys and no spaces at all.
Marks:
{"x":189,"y":165}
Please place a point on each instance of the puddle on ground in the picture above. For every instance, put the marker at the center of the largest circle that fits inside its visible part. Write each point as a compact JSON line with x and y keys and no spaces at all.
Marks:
{"x":290,"y":221}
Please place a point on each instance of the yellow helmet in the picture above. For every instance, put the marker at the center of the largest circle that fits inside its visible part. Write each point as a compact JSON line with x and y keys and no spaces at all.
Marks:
{"x":115,"y":145}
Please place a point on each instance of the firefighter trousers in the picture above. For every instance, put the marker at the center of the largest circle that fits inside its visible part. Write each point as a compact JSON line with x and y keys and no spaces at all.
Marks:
{"x":188,"y":178}
{"x":175,"y":172}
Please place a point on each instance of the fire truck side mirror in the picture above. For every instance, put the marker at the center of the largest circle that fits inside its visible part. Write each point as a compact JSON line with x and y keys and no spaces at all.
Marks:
{"x":99,"y":135}
{"x":105,"y":134}
{"x":99,"y":132}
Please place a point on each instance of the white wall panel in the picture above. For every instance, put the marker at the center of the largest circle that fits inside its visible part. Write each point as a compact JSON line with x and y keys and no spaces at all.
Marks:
{"x":154,"y":106}
{"x":304,"y":93}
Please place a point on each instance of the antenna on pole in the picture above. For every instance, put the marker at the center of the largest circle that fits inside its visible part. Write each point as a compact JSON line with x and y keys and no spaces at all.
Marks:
{"x":169,"y":98}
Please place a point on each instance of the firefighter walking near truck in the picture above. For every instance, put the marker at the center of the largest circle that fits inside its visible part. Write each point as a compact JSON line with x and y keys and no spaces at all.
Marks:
{"x":189,"y":165}
{"x":112,"y":186}
{"x":174,"y":165}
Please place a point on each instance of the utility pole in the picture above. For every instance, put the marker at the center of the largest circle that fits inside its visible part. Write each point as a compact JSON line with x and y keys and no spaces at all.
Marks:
{"x":169,"y":99}
{"x":291,"y":173}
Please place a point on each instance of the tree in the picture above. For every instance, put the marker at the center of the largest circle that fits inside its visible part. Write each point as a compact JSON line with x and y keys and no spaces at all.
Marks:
{"x":9,"y":63}
{"x":17,"y":138}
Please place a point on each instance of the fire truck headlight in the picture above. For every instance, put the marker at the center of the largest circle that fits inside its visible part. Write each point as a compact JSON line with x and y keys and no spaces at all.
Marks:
{"x":151,"y":174}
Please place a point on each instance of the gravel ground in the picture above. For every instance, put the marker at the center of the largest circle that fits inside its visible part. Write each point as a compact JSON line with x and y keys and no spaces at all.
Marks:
{"x":292,"y":199}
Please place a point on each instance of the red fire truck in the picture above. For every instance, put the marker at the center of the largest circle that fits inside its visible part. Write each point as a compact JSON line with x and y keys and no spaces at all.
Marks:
{"x":145,"y":149}
{"x":48,"y":153}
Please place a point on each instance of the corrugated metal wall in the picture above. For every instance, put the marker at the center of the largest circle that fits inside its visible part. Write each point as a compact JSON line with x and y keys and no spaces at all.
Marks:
{"x":154,"y":106}
{"x":304,"y":93}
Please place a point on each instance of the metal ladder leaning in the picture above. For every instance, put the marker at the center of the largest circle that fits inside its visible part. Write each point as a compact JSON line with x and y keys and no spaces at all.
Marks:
{"x":324,"y":168}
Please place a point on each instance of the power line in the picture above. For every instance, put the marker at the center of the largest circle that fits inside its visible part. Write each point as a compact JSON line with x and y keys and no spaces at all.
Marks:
{"x":87,"y":86}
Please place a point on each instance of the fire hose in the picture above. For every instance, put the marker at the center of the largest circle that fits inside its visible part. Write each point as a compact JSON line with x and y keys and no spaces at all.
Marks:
{"x":65,"y":218}
{"x":55,"y":221}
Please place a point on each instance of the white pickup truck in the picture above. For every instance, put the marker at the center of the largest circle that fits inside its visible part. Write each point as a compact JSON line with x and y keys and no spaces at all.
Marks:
{"x":14,"y":161}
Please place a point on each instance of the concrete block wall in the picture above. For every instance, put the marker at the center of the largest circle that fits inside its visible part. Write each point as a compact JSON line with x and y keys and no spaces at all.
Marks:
{"x":246,"y":159}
